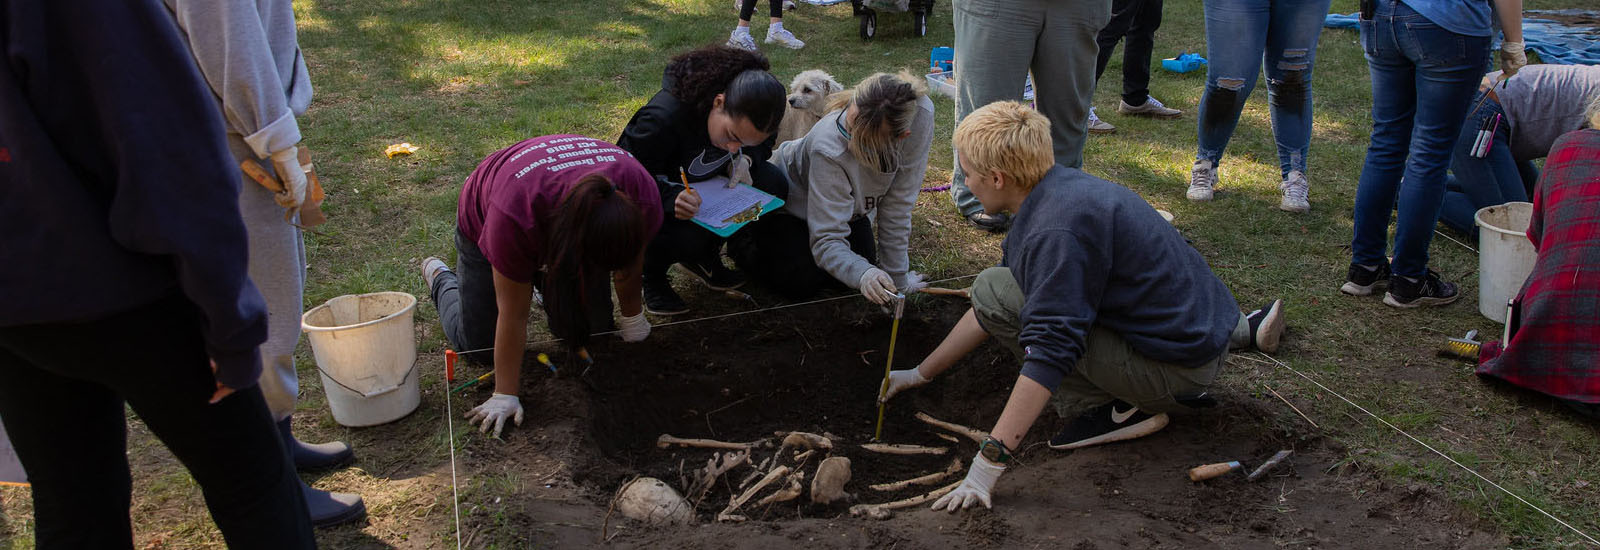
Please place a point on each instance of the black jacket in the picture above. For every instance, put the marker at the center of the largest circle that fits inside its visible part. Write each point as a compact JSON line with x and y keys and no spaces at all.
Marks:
{"x":667,"y":134}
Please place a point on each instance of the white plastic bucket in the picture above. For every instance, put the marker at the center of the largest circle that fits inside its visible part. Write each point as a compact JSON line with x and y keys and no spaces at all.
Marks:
{"x":367,"y":354}
{"x":1505,"y":256}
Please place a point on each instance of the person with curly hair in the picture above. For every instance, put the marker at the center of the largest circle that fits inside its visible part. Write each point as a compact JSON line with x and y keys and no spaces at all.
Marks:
{"x":716,"y":115}
{"x":855,"y":176}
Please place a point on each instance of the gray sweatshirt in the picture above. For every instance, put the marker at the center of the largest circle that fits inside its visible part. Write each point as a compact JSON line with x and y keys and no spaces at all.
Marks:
{"x":248,"y":54}
{"x":1542,"y":102}
{"x":829,"y":188}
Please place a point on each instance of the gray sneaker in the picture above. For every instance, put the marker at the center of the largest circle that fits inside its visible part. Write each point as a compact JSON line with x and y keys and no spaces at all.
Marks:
{"x":1097,"y":126}
{"x":742,"y":40}
{"x":1202,"y":179}
{"x":783,"y":37}
{"x":1151,"y":108}
{"x":1296,"y":193}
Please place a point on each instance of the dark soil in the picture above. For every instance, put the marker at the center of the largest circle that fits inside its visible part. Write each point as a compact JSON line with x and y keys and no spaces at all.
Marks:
{"x":817,"y":369}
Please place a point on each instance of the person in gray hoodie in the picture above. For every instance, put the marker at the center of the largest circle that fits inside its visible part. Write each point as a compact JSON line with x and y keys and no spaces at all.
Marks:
{"x":859,"y":168}
{"x":249,"y":55}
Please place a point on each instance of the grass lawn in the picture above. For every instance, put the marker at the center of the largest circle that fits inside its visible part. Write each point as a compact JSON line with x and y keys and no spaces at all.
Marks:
{"x":463,"y":78}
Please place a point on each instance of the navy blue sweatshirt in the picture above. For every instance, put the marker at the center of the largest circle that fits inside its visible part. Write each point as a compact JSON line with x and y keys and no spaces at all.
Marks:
{"x":1088,"y":252}
{"x":116,"y":187}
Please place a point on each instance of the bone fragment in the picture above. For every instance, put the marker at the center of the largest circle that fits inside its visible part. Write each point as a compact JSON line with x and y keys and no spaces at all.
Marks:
{"x":930,"y":479}
{"x":788,"y":492}
{"x":878,"y":511}
{"x":802,"y":456}
{"x":948,"y":437}
{"x":970,"y":433}
{"x":832,"y":475}
{"x":1268,"y":465}
{"x":962,"y":292}
{"x":745,"y":496}
{"x":904,"y":449}
{"x":717,"y":465}
{"x":807,"y":441}
{"x":667,"y":441}
{"x":731,"y":518}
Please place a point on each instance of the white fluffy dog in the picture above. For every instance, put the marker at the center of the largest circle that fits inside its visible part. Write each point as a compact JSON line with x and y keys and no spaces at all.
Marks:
{"x":808,"y":101}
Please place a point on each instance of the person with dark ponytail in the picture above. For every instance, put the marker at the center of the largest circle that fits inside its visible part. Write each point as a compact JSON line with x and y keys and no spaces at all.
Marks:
{"x":856,"y":175}
{"x":545,"y":220}
{"x":716,"y":115}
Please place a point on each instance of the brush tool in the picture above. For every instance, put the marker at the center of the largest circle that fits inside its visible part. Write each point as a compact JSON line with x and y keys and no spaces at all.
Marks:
{"x":1464,"y":348}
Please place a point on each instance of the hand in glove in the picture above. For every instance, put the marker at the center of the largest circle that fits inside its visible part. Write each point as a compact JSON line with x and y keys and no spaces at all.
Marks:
{"x":739,"y":170}
{"x":902,"y":380}
{"x":635,"y":328}
{"x":1512,"y":58}
{"x":976,"y":488}
{"x":877,"y":286}
{"x":496,"y":410}
{"x":287,"y":164}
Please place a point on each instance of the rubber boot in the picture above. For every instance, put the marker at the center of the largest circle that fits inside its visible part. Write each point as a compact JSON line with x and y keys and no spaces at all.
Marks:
{"x":314,"y":456}
{"x":329,"y":509}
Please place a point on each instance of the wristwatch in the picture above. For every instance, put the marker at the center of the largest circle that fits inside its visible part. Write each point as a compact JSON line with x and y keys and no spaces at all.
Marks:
{"x":994,"y":451}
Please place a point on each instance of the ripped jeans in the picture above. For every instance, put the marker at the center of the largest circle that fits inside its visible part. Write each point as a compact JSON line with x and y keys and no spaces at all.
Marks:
{"x":1240,"y":34}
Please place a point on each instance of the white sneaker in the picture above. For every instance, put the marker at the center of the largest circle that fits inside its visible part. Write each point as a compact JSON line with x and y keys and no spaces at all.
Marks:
{"x":1202,"y":179}
{"x":1151,"y":108}
{"x":431,"y":267}
{"x":1296,"y":193}
{"x":741,"y":39}
{"x":783,"y":37}
{"x":1097,"y":126}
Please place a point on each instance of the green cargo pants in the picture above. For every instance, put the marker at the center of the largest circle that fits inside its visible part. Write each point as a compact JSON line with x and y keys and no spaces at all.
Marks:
{"x":1109,"y":369}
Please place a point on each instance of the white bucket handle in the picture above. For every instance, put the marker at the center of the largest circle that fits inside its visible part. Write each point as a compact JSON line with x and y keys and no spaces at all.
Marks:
{"x":373,"y":393}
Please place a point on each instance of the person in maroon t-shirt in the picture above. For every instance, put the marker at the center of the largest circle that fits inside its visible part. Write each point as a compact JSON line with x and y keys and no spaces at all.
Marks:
{"x":544,"y":220}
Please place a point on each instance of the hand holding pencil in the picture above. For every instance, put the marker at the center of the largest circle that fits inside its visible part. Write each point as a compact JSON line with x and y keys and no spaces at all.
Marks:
{"x":688,"y":203}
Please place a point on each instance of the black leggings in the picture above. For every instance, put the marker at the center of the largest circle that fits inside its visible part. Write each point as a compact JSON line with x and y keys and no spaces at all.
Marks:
{"x":776,"y":251}
{"x":62,"y":393}
{"x":774,"y":9}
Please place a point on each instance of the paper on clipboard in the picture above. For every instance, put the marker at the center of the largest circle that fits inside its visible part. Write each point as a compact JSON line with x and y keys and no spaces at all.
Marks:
{"x":718,"y":203}
{"x":10,"y":467}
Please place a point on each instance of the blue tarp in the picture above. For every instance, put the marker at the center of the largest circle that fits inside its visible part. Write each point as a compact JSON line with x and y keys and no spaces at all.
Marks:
{"x":1554,"y":42}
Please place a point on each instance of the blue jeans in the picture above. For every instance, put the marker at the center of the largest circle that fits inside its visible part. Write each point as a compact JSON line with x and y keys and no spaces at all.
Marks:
{"x":1423,"y":78}
{"x":1493,"y":180}
{"x":1240,"y":35}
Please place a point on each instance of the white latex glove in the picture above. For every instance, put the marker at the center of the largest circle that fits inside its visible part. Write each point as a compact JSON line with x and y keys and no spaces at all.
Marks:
{"x":902,"y":380}
{"x":740,"y":170}
{"x":976,"y":488}
{"x":1512,"y":58}
{"x":287,"y":164}
{"x":635,"y":328}
{"x":877,"y":286}
{"x":496,"y":410}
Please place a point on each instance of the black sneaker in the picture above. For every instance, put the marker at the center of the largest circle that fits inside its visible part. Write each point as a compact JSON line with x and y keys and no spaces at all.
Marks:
{"x":718,"y":276}
{"x":660,"y":299}
{"x":1266,"y":326}
{"x":1405,"y":292}
{"x":992,"y":223}
{"x":1114,"y":421}
{"x":1363,"y":279}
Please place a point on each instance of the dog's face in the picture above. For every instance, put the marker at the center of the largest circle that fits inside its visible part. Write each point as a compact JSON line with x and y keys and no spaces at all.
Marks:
{"x":810,"y":90}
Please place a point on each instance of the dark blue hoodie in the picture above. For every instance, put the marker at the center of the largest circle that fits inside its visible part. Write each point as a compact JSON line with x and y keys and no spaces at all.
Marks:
{"x":116,"y":187}
{"x":1088,"y":252}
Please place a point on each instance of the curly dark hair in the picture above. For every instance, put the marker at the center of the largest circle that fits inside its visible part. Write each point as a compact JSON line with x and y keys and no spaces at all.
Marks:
{"x":697,"y":76}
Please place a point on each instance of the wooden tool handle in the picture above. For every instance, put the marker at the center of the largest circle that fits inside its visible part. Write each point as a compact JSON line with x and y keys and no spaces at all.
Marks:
{"x":1202,"y":473}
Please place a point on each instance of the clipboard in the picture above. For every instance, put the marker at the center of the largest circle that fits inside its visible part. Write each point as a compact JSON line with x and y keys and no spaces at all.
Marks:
{"x":715,"y":197}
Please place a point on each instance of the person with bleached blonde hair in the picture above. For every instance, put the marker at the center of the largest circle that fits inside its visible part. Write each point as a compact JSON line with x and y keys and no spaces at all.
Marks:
{"x":1106,"y":306}
{"x":853,"y":180}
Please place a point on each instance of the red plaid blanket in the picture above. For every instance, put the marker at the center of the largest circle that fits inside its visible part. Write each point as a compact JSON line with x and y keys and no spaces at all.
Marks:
{"x":1557,"y":348}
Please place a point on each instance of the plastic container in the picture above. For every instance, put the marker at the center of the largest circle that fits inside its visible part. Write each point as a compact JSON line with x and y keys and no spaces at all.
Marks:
{"x":366,"y":351}
{"x":1505,"y":256}
{"x":942,"y":83}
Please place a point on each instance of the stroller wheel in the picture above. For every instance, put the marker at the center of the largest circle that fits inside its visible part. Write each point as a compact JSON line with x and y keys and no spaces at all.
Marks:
{"x":869,"y":23}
